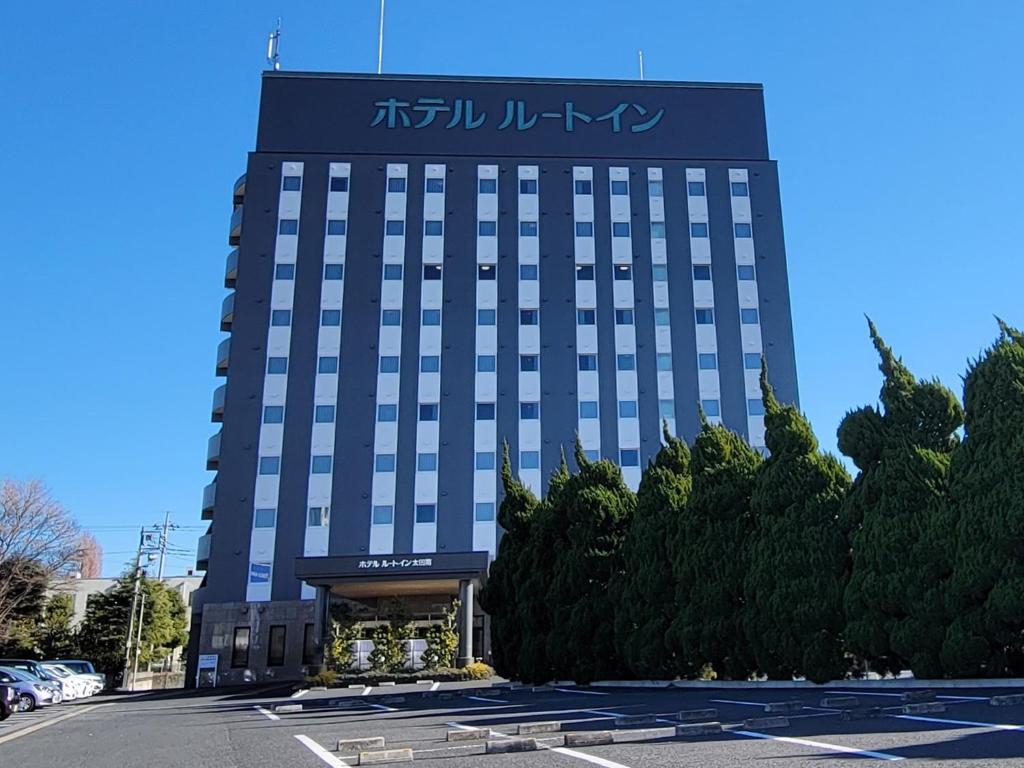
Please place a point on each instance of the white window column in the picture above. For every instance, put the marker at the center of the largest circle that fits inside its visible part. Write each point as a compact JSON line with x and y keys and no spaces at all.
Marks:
{"x":588,"y":405}
{"x":528,"y":252}
{"x":705,"y":320}
{"x":662,"y":314}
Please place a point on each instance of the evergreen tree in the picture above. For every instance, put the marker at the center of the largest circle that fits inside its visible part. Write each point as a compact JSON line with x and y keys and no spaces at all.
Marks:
{"x":592,"y":511}
{"x":987,"y":489}
{"x":54,"y":636}
{"x":707,"y":556}
{"x":500,"y":597}
{"x":797,"y":569}
{"x":644,"y":591}
{"x":902,"y":547}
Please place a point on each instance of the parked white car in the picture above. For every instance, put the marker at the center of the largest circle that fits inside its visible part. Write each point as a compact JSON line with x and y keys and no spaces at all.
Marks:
{"x":75,"y":686}
{"x":82,"y":667}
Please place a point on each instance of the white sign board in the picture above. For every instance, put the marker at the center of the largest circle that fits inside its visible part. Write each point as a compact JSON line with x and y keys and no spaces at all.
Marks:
{"x":206,"y":670}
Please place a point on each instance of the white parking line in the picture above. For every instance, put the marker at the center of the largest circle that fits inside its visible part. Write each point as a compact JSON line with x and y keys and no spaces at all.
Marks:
{"x":970,"y":723}
{"x":266,"y":713}
{"x":366,"y":690}
{"x":435,"y":686}
{"x":299,"y":693}
{"x":747,"y":703}
{"x":320,"y":752}
{"x":898,"y":695}
{"x":382,"y":708}
{"x":48,"y":723}
{"x":560,"y":750}
{"x":488,"y":701}
{"x":585,"y":693}
{"x":819,"y":745}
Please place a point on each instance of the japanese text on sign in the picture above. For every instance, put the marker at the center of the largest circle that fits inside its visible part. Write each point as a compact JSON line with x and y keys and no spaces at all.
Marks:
{"x":385,"y":563}
{"x":462,"y":113}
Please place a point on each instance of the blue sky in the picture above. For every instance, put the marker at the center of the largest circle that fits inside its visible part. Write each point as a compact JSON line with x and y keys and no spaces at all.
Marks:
{"x":897,"y":128}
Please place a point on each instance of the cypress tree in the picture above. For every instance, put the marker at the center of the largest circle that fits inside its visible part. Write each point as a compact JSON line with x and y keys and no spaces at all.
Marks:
{"x":797,"y":569}
{"x":644,"y":592}
{"x":987,"y":489}
{"x":901,"y":540}
{"x":500,"y":597}
{"x":707,"y":555}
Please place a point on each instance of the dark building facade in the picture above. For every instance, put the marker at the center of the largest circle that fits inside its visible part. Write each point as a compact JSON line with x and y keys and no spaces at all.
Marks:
{"x":426,"y":267}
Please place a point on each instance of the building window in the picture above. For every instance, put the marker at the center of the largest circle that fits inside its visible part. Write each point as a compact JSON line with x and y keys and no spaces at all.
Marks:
{"x":529,"y":459}
{"x":748,"y":316}
{"x":620,"y":229}
{"x":396,"y":184}
{"x":586,"y":362}
{"x":529,"y":316}
{"x":711,"y":407}
{"x":695,"y":188}
{"x":655,"y":189}
{"x":240,"y":648}
{"x":309,"y":644}
{"x":664,"y":361}
{"x":755,"y":407}
{"x":321,"y":465}
{"x":527,"y":271}
{"x":739,"y":189}
{"x":701,"y":272}
{"x":622,"y":272}
{"x":586,"y":317}
{"x":270,"y":465}
{"x":391,"y":317}
{"x":334,"y":271}
{"x":318,"y":517}
{"x":488,"y":186}
{"x":435,"y":184}
{"x":392,"y":271}
{"x":658,"y":230}
{"x":430,"y":364}
{"x":335,"y":226}
{"x":627,"y":409}
{"x":389,"y":364}
{"x":426,"y":462}
{"x":264,"y":518}
{"x":485,"y":411}
{"x":323,"y":414}
{"x":394,"y":227}
{"x":339,"y":184}
{"x":667,"y":409}
{"x":281,"y":317}
{"x":483,"y":511}
{"x":629,"y":457}
{"x":620,"y":187}
{"x":486,"y":316}
{"x":659,"y":273}
{"x":698,"y":229}
{"x":527,"y":228}
{"x":661,"y":316}
{"x":707,"y":361}
{"x":431,"y":271}
{"x":485,"y":460}
{"x":284,"y":272}
{"x":288,"y":227}
{"x":387,"y":412}
{"x":487,"y":228}
{"x":588,"y":409}
{"x":330,"y":317}
{"x":705,"y":316}
{"x":625,"y":362}
{"x":383,"y":514}
{"x":486,"y":363}
{"x":527,"y":186}
{"x":592,"y":455}
{"x":433,"y":228}
{"x":745,"y":272}
{"x":584,"y":229}
{"x":431,"y":317}
{"x":277,"y":365}
{"x":426,"y":513}
{"x":275,"y":646}
{"x":583,"y":187}
{"x":752,"y":361}
{"x":584,"y":271}
{"x":529,"y":411}
{"x":291,"y":183}
{"x":742,"y":229}
{"x":486,"y":272}
{"x":529,"y":363}
{"x":428,"y":411}
{"x":623,"y":316}
{"x":273,"y":414}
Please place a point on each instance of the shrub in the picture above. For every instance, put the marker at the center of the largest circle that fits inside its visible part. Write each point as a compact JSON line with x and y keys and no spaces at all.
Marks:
{"x":442,"y":640}
{"x":325,"y":678}
{"x":479,"y":671}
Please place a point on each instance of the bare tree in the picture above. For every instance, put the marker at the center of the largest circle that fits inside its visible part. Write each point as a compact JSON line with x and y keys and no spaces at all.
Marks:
{"x":38,"y":541}
{"x":92,"y":557}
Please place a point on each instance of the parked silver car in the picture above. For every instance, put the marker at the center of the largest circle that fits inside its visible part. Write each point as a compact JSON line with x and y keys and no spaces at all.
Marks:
{"x":31,"y":691}
{"x":81,"y":667}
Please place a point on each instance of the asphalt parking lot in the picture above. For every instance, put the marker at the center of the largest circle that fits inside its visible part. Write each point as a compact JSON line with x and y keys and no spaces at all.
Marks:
{"x":645,"y":727}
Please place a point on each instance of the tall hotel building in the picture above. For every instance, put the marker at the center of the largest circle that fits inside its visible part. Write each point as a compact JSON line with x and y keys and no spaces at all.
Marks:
{"x":426,"y":267}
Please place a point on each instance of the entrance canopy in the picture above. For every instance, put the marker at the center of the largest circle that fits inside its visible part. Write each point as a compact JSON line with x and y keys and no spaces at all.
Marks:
{"x":423,"y":573}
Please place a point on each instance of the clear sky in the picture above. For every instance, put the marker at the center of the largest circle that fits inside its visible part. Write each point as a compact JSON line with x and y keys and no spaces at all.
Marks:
{"x":898,"y":128}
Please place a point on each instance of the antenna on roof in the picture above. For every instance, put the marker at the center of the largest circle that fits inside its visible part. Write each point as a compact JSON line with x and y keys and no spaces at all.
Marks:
{"x":380,"y":39}
{"x":273,"y":47}
{"x":641,"y":54}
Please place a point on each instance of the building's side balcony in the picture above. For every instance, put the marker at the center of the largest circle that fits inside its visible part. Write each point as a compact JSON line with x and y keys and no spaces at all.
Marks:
{"x":209,"y":499}
{"x":213,"y":452}
{"x":227,"y":312}
{"x":203,"y":550}
{"x":238,"y":195}
{"x":223,"y":357}
{"x":231,"y":269}
{"x":217,"y":409}
{"x":235,"y":230}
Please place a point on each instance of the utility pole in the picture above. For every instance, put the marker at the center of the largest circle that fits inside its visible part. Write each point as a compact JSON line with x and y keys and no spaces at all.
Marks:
{"x":138,"y":640}
{"x":380,"y":39}
{"x":163,"y":546}
{"x":131,"y":618}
